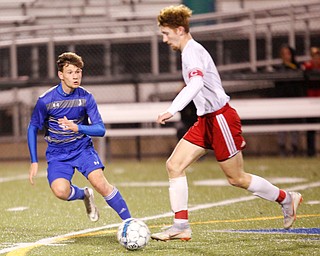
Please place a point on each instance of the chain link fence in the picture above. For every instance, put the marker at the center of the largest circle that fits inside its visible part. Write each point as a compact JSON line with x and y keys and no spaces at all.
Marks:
{"x":125,"y":60}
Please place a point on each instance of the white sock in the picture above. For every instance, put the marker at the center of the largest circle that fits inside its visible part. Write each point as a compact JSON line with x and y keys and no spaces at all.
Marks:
{"x":262,"y":188}
{"x":178,"y":193}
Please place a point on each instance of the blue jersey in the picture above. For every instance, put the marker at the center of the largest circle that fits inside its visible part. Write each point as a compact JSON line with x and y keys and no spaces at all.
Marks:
{"x":54,"y":104}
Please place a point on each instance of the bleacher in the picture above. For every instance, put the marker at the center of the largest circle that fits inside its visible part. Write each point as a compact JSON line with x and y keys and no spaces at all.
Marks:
{"x":114,"y":34}
{"x":98,"y":21}
{"x":45,"y":12}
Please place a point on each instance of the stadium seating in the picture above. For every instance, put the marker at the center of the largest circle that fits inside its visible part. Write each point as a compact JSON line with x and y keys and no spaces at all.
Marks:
{"x":113,"y":35}
{"x":44,"y":12}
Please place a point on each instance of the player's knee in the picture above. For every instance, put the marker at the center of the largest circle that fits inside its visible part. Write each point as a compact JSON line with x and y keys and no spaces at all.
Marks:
{"x":61,"y":192}
{"x":173,"y":168}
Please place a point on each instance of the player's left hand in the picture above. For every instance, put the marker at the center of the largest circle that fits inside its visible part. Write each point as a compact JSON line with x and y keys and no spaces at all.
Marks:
{"x":163,"y":117}
{"x":67,"y":124}
{"x":33,"y":170}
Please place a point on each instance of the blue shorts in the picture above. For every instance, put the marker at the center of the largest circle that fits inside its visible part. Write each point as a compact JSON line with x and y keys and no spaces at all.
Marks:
{"x":86,"y":161}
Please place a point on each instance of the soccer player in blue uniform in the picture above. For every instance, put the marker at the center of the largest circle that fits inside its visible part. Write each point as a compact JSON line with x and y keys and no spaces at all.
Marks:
{"x":70,"y":116}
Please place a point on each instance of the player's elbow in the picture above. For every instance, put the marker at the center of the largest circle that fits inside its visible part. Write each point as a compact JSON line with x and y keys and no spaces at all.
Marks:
{"x":102,"y":133}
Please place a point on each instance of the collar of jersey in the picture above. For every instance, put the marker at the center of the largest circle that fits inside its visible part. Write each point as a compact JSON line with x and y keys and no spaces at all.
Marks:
{"x":60,"y":91}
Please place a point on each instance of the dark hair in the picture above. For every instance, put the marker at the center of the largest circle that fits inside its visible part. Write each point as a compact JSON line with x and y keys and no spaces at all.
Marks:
{"x":69,"y":58}
{"x":292,"y":51}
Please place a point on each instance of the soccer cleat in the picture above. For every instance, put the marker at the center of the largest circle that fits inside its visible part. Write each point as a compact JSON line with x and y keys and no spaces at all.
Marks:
{"x":173,"y":233}
{"x":91,"y":208}
{"x":290,"y":209}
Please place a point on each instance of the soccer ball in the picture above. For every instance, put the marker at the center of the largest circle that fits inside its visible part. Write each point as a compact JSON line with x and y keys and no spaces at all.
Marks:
{"x":133,"y":234}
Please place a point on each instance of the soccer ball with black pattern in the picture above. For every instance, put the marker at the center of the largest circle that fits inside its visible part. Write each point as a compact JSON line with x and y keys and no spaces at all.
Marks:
{"x":133,"y":234}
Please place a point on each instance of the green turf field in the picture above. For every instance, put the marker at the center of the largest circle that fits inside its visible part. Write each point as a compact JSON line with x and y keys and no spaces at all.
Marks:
{"x":224,"y":220}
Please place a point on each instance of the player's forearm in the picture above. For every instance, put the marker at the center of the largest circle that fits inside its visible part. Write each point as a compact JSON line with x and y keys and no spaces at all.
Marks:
{"x":93,"y":129}
{"x":32,"y":143}
{"x":186,"y":95}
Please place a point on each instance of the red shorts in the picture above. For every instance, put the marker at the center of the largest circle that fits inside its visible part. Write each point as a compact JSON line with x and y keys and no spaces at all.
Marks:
{"x":219,"y":131}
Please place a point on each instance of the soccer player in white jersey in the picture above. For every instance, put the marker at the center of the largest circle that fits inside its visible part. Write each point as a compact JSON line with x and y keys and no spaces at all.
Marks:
{"x":218,"y":128}
{"x":64,"y":112}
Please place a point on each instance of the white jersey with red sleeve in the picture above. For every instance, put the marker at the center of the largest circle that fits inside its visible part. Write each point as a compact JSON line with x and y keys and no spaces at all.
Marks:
{"x":203,"y":83}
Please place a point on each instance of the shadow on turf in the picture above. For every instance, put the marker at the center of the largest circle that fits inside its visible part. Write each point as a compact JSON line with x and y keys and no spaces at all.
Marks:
{"x":96,"y":240}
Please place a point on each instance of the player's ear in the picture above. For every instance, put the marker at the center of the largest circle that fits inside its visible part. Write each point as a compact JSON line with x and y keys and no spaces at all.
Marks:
{"x":180,"y":30}
{"x":60,"y":75}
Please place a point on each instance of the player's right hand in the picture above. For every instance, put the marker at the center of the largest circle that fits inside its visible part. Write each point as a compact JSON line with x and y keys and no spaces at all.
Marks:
{"x":33,"y":172}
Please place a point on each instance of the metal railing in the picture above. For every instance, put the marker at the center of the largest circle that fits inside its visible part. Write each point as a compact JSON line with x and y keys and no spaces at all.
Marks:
{"x":254,"y":29}
{"x":249,"y":26}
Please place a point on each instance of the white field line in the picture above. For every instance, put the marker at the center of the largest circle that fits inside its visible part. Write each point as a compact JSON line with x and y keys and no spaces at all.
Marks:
{"x":213,"y":182}
{"x":21,"y":177}
{"x":55,"y":239}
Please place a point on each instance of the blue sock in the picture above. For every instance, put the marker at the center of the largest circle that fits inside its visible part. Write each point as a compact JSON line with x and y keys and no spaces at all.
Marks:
{"x":117,"y":203}
{"x":76,"y":193}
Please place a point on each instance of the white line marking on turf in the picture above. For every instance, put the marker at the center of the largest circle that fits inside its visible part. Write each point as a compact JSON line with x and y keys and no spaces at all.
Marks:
{"x":224,"y":182}
{"x":286,"y":180}
{"x":213,"y":182}
{"x":17,"y":209}
{"x":51,"y":240}
{"x":313,"y":202}
{"x":20,"y":177}
{"x":144,"y":184}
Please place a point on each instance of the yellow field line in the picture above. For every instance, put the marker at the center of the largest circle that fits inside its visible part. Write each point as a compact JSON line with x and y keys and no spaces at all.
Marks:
{"x":24,"y":251}
{"x":252,"y":219}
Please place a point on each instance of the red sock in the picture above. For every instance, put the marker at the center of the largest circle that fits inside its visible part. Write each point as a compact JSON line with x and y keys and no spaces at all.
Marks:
{"x":282,"y":196}
{"x":181,"y":215}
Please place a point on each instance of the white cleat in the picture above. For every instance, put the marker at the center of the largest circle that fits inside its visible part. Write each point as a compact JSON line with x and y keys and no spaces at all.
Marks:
{"x":290,"y":209}
{"x":173,"y":233}
{"x":92,"y":210}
